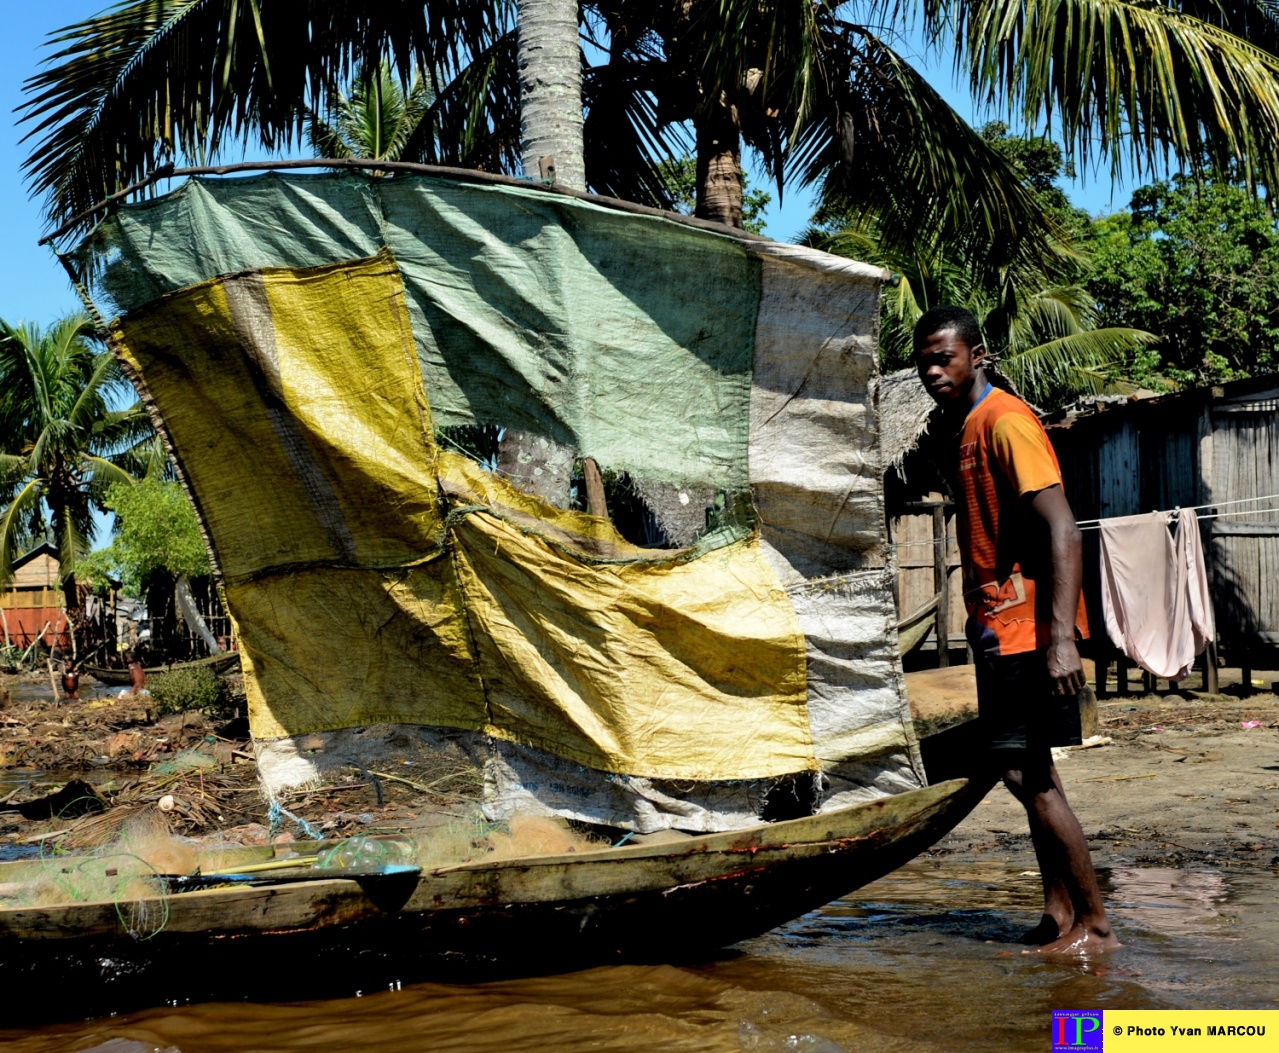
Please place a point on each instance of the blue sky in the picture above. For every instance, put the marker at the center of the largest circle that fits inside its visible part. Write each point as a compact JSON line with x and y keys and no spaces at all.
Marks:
{"x":33,"y":287}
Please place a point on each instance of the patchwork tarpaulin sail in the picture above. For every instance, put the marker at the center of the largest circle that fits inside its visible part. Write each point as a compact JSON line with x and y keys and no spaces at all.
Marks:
{"x":310,"y":346}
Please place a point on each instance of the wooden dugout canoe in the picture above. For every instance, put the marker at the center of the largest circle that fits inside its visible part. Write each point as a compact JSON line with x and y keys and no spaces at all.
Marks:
{"x":476,"y":920}
{"x":224,"y":662}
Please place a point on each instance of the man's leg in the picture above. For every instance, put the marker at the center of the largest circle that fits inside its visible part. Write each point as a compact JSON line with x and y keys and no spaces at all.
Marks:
{"x":1059,"y":911}
{"x":1064,"y":861}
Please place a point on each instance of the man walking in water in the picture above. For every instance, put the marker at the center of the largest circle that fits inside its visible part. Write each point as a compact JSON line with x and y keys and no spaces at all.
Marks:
{"x":1020,"y":550}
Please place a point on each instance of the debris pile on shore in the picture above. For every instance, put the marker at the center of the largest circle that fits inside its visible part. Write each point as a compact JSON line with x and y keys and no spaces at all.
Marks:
{"x":74,"y":774}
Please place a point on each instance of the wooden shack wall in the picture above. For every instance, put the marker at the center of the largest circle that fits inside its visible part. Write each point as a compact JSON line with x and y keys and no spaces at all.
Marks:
{"x":33,"y":601}
{"x":913,"y":535}
{"x":1242,"y":441}
{"x":1186,"y":450}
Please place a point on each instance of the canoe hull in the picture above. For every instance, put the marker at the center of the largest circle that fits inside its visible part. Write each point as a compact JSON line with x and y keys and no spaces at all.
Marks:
{"x":225,"y":662}
{"x":537,"y":915}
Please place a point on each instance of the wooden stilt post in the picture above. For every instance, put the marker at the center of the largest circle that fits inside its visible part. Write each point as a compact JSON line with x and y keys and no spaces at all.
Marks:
{"x":595,"y":502}
{"x":941,"y":585}
{"x":1211,"y":683}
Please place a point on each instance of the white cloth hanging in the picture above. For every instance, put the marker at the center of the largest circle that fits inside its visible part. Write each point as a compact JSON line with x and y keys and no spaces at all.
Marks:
{"x":1154,"y":591}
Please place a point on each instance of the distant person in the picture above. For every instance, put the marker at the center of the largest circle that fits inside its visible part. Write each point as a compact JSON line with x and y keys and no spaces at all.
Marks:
{"x":137,"y":675}
{"x":71,"y":680}
{"x":1020,"y":550}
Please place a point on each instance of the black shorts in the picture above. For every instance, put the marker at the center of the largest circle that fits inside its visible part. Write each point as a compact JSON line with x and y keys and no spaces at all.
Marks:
{"x":1016,"y":706}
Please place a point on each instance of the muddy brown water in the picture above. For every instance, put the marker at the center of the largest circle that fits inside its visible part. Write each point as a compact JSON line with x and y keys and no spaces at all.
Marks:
{"x":924,"y":959}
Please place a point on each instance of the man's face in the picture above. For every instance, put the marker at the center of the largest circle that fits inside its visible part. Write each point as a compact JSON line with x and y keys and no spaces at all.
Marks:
{"x":948,"y":366}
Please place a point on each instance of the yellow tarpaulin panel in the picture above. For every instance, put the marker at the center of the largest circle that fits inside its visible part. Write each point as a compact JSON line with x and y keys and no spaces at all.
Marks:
{"x":679,"y":670}
{"x":466,"y":484}
{"x":326,"y":649}
{"x":305,"y":437}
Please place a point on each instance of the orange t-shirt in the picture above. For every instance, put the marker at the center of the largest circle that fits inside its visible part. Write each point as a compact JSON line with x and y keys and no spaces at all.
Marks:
{"x":1004,"y":454}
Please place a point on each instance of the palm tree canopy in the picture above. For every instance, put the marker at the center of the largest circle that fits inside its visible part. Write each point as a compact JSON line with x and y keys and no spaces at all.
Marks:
{"x":377,"y":121}
{"x":148,"y":81}
{"x":816,"y":89}
{"x":1044,"y":337}
{"x":61,"y":443}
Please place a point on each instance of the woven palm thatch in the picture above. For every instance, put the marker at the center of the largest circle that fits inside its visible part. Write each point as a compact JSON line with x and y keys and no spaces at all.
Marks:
{"x":904,"y":413}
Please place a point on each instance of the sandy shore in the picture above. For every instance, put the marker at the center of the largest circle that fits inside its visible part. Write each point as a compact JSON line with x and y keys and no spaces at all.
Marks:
{"x":1179,"y":782}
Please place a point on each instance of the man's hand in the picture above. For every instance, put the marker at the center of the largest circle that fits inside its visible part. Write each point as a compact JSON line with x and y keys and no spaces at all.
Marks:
{"x":1065,"y":670}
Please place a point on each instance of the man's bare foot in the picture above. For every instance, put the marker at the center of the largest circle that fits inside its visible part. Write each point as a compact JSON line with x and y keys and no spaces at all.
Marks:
{"x":1081,"y":940}
{"x":1048,"y":929}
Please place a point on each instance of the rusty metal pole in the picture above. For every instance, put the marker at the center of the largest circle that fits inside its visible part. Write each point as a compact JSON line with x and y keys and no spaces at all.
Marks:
{"x":1211,"y":683}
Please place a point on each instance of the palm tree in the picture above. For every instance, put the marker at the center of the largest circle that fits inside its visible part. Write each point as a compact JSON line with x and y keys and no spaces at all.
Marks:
{"x":61,"y":443}
{"x":1043,"y":335}
{"x":550,"y":68}
{"x":814,"y":87}
{"x":377,"y":121}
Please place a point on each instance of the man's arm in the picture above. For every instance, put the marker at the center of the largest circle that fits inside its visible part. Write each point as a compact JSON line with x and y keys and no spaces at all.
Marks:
{"x":1066,"y":554}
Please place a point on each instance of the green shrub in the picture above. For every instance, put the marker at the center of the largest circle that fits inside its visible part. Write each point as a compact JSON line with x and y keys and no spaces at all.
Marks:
{"x":183,"y":689}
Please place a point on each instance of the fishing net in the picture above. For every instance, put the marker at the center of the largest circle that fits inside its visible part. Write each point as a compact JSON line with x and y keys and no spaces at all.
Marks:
{"x":123,"y":870}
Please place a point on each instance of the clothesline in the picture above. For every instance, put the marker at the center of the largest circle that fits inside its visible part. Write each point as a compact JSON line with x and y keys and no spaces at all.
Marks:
{"x":1095,"y":524}
{"x":1210,"y":504}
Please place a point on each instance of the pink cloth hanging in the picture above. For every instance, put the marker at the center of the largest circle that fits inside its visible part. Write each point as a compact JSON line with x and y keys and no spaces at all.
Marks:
{"x":1154,"y":591}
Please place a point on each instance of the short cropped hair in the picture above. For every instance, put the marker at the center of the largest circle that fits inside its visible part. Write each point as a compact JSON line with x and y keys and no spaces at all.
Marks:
{"x":945,"y":317}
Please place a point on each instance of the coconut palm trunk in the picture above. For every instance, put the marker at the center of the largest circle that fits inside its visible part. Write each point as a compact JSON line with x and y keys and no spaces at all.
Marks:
{"x":550,"y":64}
{"x":719,"y":163}
{"x":59,"y":500}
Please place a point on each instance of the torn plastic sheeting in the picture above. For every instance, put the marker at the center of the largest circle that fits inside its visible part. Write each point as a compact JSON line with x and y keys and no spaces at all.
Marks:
{"x":684,"y":670}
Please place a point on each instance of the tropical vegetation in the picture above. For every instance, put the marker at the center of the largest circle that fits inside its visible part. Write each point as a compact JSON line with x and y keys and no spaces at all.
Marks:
{"x":815,"y":90}
{"x":376,"y":120}
{"x":62,"y":442}
{"x":1040,"y":322}
{"x":1197,"y":264}
{"x":156,"y":534}
{"x":818,"y":92}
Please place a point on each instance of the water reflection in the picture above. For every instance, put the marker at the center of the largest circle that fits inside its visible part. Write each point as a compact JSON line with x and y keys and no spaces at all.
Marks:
{"x":1174,"y":902}
{"x":923,"y":960}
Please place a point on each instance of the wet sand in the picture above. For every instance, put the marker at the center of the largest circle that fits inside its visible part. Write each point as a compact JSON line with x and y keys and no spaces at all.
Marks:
{"x":1180,"y":783}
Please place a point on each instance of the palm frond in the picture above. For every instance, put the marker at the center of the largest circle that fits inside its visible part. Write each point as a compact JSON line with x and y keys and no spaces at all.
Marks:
{"x":473,"y":120}
{"x":887,"y":149}
{"x":149,"y":81}
{"x":90,"y":403}
{"x":12,"y":526}
{"x":1046,"y":314}
{"x":103,"y":474}
{"x":75,"y":538}
{"x":774,"y":51}
{"x":143,"y":459}
{"x":627,"y":144}
{"x":119,"y":431}
{"x":1134,"y":83}
{"x":1076,"y":363}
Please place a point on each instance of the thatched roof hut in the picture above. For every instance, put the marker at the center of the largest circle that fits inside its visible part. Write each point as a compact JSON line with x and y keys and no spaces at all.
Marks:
{"x":904,"y":412}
